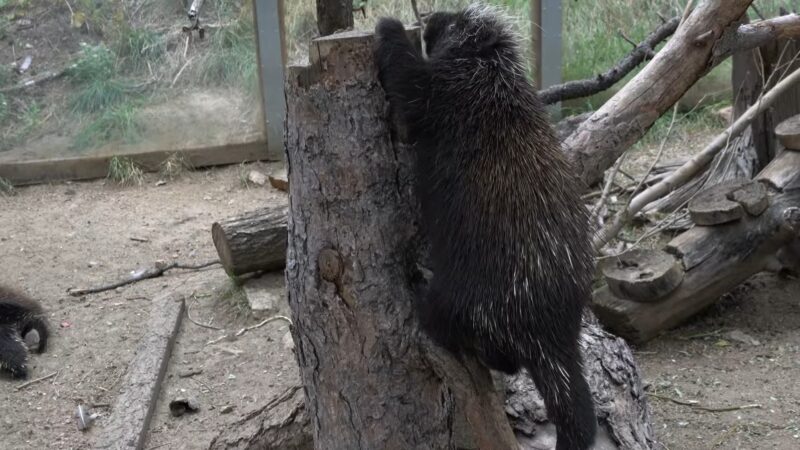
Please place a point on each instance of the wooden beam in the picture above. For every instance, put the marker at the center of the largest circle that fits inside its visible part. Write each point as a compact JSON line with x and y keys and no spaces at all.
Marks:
{"x":129,"y":421}
{"x":96,"y":166}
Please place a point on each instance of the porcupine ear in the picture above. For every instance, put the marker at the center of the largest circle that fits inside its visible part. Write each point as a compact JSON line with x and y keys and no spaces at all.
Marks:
{"x":436,"y":28}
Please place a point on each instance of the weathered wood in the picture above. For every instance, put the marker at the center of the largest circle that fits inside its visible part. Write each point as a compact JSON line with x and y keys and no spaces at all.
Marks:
{"x":281,"y":424}
{"x":716,"y":259}
{"x":334,"y":15}
{"x":713,"y":207}
{"x":253,"y":242}
{"x":753,"y":197}
{"x":624,"y":118}
{"x":788,"y":132}
{"x":129,"y":421}
{"x":642,"y":275}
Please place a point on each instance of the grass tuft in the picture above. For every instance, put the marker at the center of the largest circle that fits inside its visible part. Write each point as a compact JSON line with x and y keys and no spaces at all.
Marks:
{"x":124,"y":171}
{"x":6,"y":188}
{"x":174,"y":166}
{"x":114,"y":123}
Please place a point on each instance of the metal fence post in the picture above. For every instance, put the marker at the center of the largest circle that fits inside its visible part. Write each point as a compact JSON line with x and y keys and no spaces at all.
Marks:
{"x":271,"y":47}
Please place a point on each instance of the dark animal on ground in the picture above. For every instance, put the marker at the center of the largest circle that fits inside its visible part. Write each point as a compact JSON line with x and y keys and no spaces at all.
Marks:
{"x":510,"y":238}
{"x":19,"y":315}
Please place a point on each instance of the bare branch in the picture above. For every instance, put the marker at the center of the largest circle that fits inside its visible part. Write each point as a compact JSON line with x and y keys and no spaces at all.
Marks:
{"x":756,"y":34}
{"x":603,"y":81}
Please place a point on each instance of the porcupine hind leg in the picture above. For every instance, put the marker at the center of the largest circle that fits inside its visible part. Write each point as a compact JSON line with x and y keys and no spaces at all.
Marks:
{"x":559,"y":378}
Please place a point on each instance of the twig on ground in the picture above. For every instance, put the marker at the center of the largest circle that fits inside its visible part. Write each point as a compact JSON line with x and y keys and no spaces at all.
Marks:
{"x":694,"y":404}
{"x":203,"y":325}
{"x":145,"y":274}
{"x":37,"y":380}
{"x":246,"y":329}
{"x":607,"y":188}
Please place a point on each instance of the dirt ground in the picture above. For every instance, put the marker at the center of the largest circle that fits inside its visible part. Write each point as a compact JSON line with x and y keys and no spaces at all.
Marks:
{"x":743,"y":351}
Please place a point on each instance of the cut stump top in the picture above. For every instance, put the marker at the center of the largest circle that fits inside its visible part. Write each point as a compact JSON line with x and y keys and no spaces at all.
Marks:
{"x":788,"y":132}
{"x":642,"y":275}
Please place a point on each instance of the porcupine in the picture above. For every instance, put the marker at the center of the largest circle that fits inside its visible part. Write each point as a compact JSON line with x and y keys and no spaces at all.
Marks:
{"x":510,"y":238}
{"x":19,"y":314}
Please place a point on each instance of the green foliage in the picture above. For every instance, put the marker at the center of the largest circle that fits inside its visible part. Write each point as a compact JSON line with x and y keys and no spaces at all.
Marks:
{"x":232,"y":59}
{"x":118,"y":122}
{"x":96,"y":62}
{"x":97,"y":95}
{"x":124,"y":171}
{"x":138,"y":46}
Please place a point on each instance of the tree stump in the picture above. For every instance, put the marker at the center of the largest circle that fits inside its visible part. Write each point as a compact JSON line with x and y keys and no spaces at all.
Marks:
{"x":642,"y":275}
{"x":788,"y":133}
{"x":252,"y":242}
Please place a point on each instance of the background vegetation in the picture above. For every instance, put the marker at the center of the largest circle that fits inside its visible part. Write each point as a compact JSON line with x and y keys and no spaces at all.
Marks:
{"x":129,"y":54}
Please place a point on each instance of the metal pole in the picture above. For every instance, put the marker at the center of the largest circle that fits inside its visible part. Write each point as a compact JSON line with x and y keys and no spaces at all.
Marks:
{"x":546,"y":36}
{"x":271,"y":47}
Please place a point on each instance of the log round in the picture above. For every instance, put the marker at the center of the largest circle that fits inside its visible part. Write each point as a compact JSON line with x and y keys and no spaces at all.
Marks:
{"x":713,"y":207}
{"x":253,"y":242}
{"x":753,"y":198}
{"x":642,"y":275}
{"x":788,"y":133}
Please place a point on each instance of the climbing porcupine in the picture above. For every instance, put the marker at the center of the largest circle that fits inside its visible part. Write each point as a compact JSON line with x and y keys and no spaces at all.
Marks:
{"x":19,"y":315}
{"x":510,"y":239}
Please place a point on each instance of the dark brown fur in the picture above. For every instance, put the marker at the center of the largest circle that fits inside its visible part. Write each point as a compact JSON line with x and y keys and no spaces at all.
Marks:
{"x":19,"y":314}
{"x":510,"y":239}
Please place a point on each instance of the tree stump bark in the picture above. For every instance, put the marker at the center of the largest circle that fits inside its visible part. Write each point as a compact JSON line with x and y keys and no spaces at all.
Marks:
{"x":252,"y":242}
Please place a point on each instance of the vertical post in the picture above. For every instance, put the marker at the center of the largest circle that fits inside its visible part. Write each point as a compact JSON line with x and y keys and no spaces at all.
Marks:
{"x":334,"y":15}
{"x":546,"y":21}
{"x":271,"y":47}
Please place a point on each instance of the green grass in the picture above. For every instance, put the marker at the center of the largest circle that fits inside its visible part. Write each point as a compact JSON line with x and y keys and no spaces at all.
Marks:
{"x":6,"y":188}
{"x":3,"y":109}
{"x":124,"y":171}
{"x":232,"y":58}
{"x":118,"y":122}
{"x":136,"y":48}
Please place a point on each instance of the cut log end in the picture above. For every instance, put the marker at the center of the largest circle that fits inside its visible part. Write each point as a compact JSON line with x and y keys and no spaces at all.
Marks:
{"x":788,"y":133}
{"x":252,"y":242}
{"x":714,"y":207}
{"x":642,"y":275}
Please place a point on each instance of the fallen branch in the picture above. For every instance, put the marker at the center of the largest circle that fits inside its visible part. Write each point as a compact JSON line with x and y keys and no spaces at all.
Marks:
{"x":41,"y":79}
{"x":145,"y":274}
{"x":246,"y":329}
{"x":603,"y":81}
{"x":696,"y":163}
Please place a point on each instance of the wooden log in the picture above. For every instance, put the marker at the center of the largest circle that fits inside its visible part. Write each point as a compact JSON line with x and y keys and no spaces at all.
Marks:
{"x":753,"y":197}
{"x":788,"y":133}
{"x":642,"y":275}
{"x":255,"y":241}
{"x":716,"y":259}
{"x":127,"y":426}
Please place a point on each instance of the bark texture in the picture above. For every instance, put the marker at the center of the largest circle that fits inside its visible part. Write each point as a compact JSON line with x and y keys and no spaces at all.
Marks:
{"x":370,"y":380}
{"x":334,"y":15}
{"x":252,"y":242}
{"x":614,"y":379}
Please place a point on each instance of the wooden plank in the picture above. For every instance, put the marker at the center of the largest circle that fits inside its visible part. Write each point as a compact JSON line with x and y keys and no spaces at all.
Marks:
{"x":129,"y":421}
{"x":96,"y":166}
